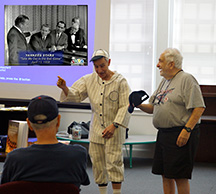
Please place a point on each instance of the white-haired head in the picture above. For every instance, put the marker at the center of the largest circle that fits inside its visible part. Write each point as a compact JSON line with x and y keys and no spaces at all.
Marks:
{"x":173,"y":55}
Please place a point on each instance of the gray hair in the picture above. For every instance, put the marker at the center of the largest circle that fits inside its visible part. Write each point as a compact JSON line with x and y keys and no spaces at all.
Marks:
{"x":174,"y":55}
{"x":75,"y":20}
{"x":37,"y":126}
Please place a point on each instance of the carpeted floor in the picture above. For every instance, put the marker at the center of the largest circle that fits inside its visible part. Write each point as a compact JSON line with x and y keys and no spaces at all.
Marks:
{"x":140,"y":180}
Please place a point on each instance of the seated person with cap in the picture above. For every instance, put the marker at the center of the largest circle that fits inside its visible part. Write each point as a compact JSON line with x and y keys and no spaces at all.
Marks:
{"x":47,"y":160}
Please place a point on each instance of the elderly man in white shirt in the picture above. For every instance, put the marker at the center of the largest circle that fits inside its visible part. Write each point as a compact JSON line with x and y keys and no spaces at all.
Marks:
{"x":108,"y":93}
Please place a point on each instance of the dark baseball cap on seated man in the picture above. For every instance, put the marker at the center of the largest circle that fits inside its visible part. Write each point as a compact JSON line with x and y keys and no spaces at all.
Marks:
{"x":42,"y":105}
{"x":98,"y":54}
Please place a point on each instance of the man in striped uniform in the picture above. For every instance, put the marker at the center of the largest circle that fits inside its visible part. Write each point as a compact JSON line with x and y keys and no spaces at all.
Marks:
{"x":108,"y":93}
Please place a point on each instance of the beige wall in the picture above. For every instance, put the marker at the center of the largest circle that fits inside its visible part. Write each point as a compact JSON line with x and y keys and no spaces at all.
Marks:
{"x":102,"y":24}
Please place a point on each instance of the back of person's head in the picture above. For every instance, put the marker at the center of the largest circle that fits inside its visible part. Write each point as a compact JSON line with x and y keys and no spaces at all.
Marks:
{"x":76,"y":20}
{"x":42,"y":112}
{"x":21,"y":19}
{"x":174,"y":55}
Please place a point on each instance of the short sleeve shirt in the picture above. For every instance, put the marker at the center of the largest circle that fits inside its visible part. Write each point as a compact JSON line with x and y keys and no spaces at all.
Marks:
{"x":175,"y":99}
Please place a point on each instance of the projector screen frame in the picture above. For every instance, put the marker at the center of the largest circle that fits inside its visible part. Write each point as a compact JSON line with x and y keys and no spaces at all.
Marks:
{"x":101,"y":14}
{"x":46,"y":75}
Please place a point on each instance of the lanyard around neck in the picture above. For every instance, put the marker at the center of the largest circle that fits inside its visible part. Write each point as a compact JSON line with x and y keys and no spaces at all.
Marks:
{"x":159,"y":89}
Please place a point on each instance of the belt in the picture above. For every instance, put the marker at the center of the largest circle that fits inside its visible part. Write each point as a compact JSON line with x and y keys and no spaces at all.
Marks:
{"x":175,"y":129}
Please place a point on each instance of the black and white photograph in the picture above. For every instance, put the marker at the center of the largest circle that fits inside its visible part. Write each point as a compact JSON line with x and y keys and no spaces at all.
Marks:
{"x":51,"y":35}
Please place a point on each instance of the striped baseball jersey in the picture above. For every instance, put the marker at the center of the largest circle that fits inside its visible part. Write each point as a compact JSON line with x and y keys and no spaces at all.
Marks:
{"x":109,"y":103}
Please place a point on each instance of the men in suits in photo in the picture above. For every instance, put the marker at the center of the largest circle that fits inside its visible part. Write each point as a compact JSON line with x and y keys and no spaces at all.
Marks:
{"x":59,"y":38}
{"x":16,"y":39}
{"x":76,"y":36}
{"x":41,"y":41}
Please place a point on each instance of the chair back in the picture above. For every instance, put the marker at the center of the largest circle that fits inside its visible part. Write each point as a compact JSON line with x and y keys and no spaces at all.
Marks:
{"x":28,"y":187}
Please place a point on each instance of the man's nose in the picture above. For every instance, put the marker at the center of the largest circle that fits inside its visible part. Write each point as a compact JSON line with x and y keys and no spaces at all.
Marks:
{"x":99,"y":70}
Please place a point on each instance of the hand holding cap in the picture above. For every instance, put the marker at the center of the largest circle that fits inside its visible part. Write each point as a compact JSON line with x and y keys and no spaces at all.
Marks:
{"x":136,"y":98}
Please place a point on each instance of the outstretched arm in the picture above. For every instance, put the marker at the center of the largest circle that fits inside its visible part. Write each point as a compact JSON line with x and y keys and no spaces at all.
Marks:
{"x":61,"y":83}
{"x":148,"y":108}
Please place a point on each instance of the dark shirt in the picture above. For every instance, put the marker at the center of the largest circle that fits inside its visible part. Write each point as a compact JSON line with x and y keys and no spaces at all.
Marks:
{"x":79,"y":39}
{"x":47,"y":163}
{"x":61,"y":41}
{"x":16,"y":43}
{"x":37,"y":44}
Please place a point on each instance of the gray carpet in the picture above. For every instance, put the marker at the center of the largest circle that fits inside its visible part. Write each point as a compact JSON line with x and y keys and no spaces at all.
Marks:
{"x":140,"y":180}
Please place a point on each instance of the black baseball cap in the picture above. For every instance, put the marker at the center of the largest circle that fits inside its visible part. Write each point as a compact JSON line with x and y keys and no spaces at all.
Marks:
{"x":136,"y":98}
{"x":42,"y":105}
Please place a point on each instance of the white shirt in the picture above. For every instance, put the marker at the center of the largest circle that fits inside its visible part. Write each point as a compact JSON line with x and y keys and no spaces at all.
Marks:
{"x":109,"y":103}
{"x":73,"y":39}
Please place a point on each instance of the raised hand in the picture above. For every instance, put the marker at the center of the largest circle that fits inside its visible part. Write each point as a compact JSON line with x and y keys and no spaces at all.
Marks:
{"x":61,"y":83}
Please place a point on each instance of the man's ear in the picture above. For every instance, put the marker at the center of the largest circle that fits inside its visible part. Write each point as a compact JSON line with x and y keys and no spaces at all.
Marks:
{"x":29,"y":125}
{"x":58,"y":123}
{"x":109,"y":62}
{"x":172,"y":65}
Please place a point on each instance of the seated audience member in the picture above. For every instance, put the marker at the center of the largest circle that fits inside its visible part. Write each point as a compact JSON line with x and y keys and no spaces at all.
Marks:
{"x":76,"y":35}
{"x":59,"y":38}
{"x":47,"y":160}
{"x":41,"y":41}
